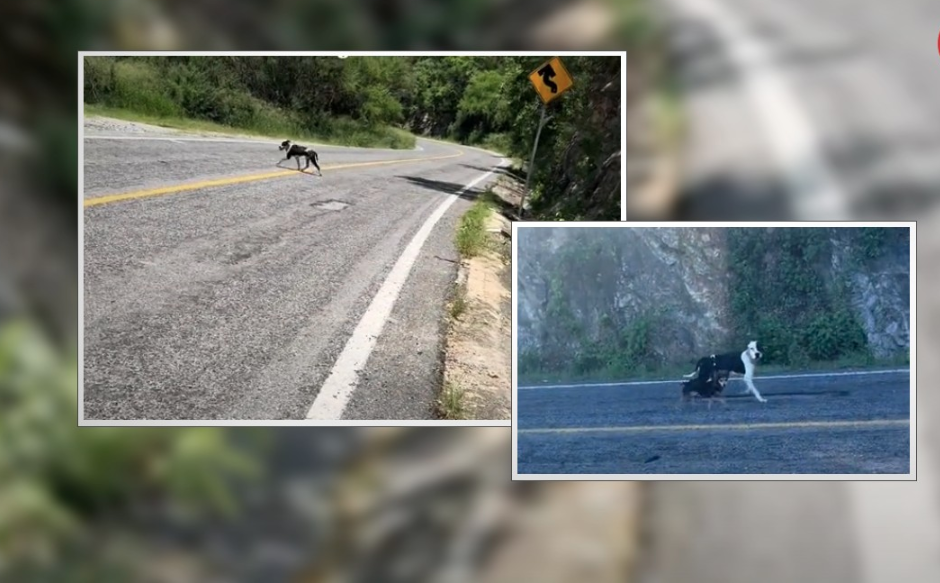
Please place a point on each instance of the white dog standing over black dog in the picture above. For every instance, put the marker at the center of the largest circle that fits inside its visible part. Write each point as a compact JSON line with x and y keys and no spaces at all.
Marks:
{"x":716,"y":367}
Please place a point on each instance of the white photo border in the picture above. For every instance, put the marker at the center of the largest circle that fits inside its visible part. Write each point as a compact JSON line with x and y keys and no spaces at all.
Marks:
{"x":911,"y":476}
{"x":82,"y":422}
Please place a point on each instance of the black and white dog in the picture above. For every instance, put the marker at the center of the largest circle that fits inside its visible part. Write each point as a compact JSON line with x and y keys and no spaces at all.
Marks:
{"x":713,"y":371}
{"x":298,"y":151}
{"x":707,"y":387}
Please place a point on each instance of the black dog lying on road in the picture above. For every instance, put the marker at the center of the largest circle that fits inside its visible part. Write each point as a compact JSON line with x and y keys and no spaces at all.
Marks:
{"x":706,"y":387}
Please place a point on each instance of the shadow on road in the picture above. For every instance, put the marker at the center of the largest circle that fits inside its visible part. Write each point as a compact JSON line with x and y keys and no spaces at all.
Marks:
{"x":501,"y":205}
{"x":504,"y":170}
{"x":445,"y":187}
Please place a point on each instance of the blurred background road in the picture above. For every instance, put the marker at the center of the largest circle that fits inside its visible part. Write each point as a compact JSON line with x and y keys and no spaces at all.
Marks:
{"x":824,"y":109}
{"x":807,"y":110}
{"x":81,"y":505}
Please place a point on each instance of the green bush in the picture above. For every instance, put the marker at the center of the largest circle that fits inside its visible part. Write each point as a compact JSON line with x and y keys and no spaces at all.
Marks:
{"x":138,"y":87}
{"x":58,"y":481}
{"x":471,"y":238}
{"x":529,"y":363}
{"x":832,"y":335}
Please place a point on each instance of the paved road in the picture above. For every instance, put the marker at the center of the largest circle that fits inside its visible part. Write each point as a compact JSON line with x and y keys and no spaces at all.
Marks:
{"x":841,"y":424}
{"x":825,"y":110}
{"x":235,"y":300}
{"x":812,"y":110}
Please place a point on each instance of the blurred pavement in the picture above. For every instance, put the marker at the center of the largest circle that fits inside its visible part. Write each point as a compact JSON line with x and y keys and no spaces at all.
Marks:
{"x":809,"y":110}
{"x":864,"y":87}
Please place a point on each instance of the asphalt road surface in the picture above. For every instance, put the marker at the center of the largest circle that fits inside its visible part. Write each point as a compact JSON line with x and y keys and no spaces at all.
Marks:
{"x":810,"y":110}
{"x":830,"y":423}
{"x":806,"y":109}
{"x":217,"y":286}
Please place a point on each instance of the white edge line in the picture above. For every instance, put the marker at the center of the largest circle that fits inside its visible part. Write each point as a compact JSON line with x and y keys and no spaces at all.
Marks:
{"x":81,"y":239}
{"x":793,"y":142}
{"x":672,"y":382}
{"x":339,"y":386}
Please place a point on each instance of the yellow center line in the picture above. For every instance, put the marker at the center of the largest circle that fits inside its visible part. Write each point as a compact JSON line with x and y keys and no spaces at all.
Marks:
{"x":876,"y":423}
{"x":241,"y":179}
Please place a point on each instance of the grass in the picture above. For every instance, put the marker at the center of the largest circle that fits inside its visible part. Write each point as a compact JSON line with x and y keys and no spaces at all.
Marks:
{"x":677,"y":370}
{"x":451,"y":404}
{"x":459,"y":306}
{"x":471,"y":238}
{"x":340,"y":132}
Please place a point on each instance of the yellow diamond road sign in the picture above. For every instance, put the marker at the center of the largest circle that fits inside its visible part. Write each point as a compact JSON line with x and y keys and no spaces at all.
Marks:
{"x":551,"y":79}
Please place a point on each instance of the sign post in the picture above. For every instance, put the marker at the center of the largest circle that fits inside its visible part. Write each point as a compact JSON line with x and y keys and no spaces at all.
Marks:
{"x":550,"y":80}
{"x":528,"y":176}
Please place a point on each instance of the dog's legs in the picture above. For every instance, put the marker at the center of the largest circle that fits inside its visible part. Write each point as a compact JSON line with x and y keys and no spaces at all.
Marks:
{"x":748,"y":379}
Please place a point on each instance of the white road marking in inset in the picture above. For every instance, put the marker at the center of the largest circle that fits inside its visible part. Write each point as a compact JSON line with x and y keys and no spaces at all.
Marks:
{"x":813,"y":190}
{"x":867,"y":424}
{"x":672,"y":382}
{"x":339,"y":386}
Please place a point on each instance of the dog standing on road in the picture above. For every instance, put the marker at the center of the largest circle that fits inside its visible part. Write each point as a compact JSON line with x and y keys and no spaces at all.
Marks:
{"x":716,"y":367}
{"x":298,"y":151}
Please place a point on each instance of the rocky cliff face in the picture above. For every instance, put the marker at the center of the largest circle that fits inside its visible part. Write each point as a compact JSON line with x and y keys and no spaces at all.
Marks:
{"x":580,"y":286}
{"x":880,"y":294}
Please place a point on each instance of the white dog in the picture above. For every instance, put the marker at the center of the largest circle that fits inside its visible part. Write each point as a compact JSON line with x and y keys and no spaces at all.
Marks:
{"x":725,"y":364}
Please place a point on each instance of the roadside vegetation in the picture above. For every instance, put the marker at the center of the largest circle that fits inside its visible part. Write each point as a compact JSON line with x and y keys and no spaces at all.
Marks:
{"x":801,"y":311}
{"x":471,"y":236}
{"x":477,"y":365}
{"x":452,"y":405}
{"x":384,"y":102}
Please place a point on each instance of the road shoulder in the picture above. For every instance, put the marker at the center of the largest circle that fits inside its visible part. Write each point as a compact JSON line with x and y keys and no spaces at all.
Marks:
{"x":479,"y":330}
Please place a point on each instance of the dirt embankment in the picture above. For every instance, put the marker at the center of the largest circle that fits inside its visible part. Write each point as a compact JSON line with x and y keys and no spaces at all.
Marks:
{"x":477,"y":368}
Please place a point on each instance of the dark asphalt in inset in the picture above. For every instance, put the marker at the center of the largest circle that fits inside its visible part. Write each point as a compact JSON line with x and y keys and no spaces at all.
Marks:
{"x":233,"y":302}
{"x":842,"y":424}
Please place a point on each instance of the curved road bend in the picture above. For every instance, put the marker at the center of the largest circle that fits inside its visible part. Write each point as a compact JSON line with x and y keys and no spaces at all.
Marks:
{"x":855,"y":117}
{"x":217,"y":286}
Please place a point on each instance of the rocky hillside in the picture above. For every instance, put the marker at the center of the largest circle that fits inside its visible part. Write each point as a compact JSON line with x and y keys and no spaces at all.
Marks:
{"x":626,"y":299}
